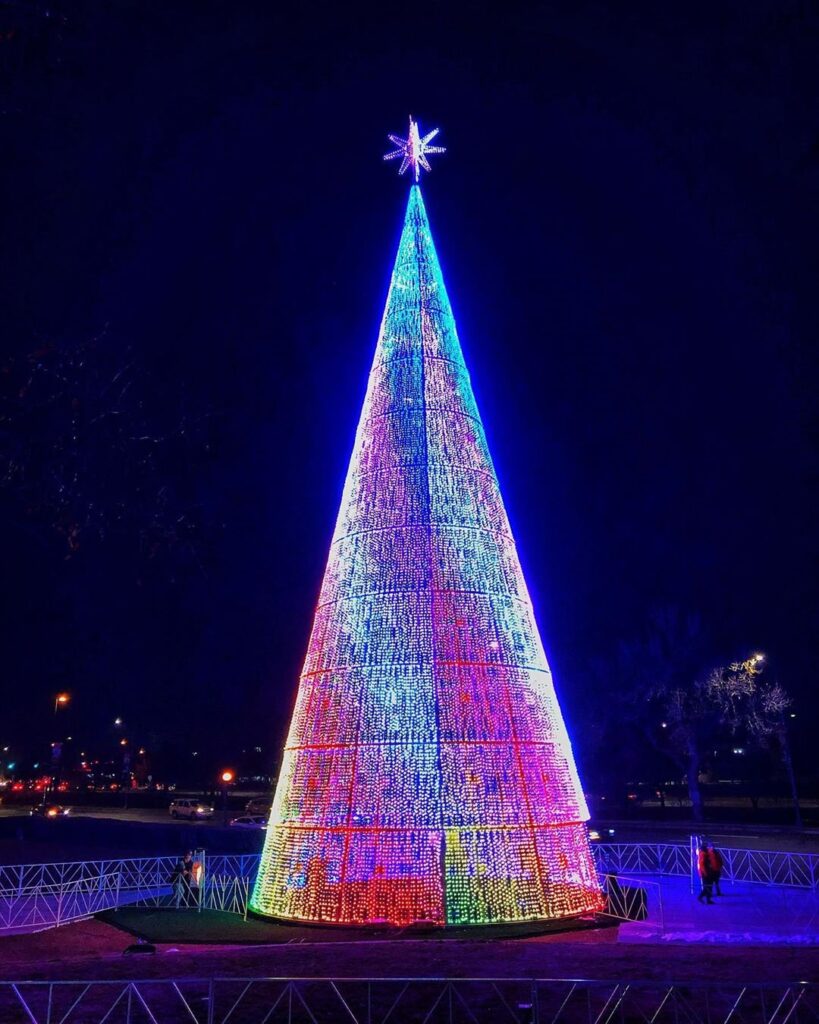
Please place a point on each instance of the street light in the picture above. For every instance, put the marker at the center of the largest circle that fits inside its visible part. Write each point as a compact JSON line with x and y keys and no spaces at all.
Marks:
{"x":60,"y":701}
{"x":226,"y":777}
{"x":117,"y":720}
{"x":787,"y":760}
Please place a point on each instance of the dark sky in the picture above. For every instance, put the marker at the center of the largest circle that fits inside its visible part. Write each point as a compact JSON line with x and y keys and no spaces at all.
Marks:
{"x":627,"y":222}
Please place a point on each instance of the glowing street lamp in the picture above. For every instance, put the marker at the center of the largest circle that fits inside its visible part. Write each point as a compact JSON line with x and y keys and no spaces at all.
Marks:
{"x":61,"y":700}
{"x":226,"y":777}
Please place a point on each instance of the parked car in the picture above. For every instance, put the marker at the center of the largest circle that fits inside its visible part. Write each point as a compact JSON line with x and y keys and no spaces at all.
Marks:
{"x":255,"y":821}
{"x":49,"y":810}
{"x":259,"y":805}
{"x":192,"y":809}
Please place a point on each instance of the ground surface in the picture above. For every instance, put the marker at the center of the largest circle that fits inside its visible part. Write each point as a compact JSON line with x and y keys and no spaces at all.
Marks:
{"x":94,"y":950}
{"x":745,"y":913}
{"x":214,"y":927}
{"x":753,"y":934}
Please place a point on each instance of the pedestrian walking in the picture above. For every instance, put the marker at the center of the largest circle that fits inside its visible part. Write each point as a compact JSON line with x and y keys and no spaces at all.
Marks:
{"x":715,"y":865}
{"x":704,"y":870}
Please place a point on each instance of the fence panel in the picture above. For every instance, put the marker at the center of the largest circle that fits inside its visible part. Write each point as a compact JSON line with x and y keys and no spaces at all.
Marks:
{"x":634,"y":900}
{"x":762,"y":867}
{"x":36,"y":896}
{"x":379,"y":1001}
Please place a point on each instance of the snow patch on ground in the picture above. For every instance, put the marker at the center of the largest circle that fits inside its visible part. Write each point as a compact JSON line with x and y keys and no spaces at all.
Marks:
{"x":743,"y":938}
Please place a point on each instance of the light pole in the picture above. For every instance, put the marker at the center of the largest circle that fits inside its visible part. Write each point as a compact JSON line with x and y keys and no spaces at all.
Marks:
{"x":787,"y":760}
{"x":755,"y":664}
{"x":225,"y":778}
{"x":60,"y":701}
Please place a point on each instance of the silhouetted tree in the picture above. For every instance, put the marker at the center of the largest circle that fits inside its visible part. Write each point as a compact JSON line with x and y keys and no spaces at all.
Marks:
{"x":93,"y":447}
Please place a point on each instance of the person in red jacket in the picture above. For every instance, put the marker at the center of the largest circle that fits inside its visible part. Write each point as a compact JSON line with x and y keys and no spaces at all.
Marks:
{"x":705,"y":871}
{"x":715,"y":865}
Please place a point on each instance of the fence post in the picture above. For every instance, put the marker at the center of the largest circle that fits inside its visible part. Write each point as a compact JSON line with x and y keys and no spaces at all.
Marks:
{"x":660,"y":907}
{"x":211,"y":1000}
{"x":201,"y":888}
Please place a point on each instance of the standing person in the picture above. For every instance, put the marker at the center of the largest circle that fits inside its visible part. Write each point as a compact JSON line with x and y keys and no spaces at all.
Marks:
{"x":705,"y":873}
{"x":183,"y":880}
{"x":715,"y":865}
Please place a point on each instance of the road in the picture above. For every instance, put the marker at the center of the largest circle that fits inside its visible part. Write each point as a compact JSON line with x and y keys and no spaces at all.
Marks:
{"x":732,"y":836}
{"x":147,"y":815}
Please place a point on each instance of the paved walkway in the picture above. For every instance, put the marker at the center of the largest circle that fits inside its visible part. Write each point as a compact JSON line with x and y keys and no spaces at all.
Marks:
{"x":746,"y":913}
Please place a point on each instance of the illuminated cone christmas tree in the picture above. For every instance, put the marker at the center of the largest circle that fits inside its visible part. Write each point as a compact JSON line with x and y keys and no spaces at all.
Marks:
{"x":427,"y":774}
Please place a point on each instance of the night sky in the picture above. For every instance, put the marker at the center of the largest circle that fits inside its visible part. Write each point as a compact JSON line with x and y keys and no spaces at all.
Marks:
{"x":627,"y":222}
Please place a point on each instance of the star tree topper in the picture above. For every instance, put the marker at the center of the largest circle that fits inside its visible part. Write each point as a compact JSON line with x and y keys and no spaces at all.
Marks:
{"x":413,"y":149}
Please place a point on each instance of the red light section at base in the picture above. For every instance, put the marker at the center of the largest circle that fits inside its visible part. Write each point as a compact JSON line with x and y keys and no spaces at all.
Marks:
{"x":395,"y":876}
{"x":427,"y":775}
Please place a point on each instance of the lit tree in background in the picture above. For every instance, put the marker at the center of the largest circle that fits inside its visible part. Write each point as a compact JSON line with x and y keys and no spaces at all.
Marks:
{"x":427,"y":775}
{"x":668,"y":696}
{"x":755,"y":707}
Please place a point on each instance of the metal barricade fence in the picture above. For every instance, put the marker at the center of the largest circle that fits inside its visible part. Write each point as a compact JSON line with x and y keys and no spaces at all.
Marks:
{"x":642,"y":858}
{"x":39,"y":896}
{"x":634,"y":900}
{"x":51,"y":904}
{"x":44,"y":895}
{"x":376,"y":1001}
{"x":760,"y":867}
